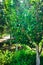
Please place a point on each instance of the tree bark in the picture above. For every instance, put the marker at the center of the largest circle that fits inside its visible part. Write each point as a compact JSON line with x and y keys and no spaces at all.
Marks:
{"x":37,"y":56}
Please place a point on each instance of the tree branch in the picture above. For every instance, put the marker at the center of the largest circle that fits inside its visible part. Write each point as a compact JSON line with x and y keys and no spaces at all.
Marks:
{"x":40,"y":50}
{"x":33,"y":49}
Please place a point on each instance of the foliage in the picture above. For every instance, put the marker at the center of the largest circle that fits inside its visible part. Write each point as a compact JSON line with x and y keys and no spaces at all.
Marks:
{"x":2,"y":18}
{"x":21,"y":57}
{"x":14,"y":58}
{"x":23,"y":24}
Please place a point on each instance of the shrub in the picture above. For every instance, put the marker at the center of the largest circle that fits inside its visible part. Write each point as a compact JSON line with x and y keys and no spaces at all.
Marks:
{"x":21,"y":57}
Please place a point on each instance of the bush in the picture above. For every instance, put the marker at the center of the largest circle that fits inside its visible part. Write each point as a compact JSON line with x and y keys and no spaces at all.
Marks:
{"x":21,"y":57}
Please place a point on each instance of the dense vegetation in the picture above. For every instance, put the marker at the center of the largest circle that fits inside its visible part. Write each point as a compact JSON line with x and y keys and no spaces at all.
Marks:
{"x":23,"y":21}
{"x":21,"y":57}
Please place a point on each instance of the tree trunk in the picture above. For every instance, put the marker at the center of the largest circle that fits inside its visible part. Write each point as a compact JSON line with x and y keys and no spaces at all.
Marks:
{"x":16,"y":47}
{"x":37,"y":56}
